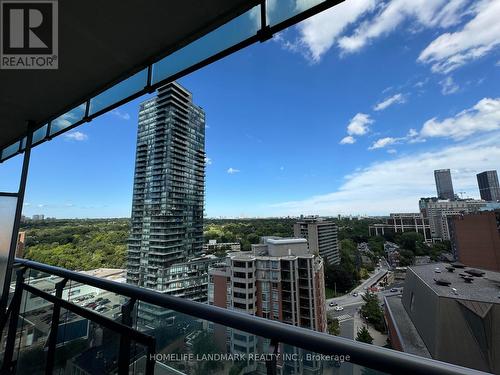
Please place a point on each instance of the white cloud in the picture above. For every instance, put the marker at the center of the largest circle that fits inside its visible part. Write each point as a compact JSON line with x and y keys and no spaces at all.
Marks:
{"x":349,"y":140}
{"x":208,"y":161}
{"x":395,"y":99}
{"x":359,"y":124}
{"x":478,"y":37}
{"x":411,"y":137}
{"x":383,"y":142}
{"x":76,"y":136}
{"x":412,"y":133}
{"x":448,"y":86}
{"x":422,"y":83}
{"x":483,"y":117}
{"x":319,"y":33}
{"x":392,"y":151}
{"x":397,"y":184}
{"x":233,"y":170}
{"x":426,"y":13}
{"x":120,"y":114}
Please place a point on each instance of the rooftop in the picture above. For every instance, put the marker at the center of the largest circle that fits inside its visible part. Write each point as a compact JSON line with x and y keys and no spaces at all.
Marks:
{"x":284,"y":241}
{"x":485,"y":288}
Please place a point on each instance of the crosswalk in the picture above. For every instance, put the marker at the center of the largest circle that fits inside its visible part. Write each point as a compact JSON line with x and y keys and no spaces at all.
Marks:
{"x":343,"y":317}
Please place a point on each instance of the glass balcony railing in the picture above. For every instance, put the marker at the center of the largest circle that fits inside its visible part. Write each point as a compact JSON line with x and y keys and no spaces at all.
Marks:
{"x":65,"y":322}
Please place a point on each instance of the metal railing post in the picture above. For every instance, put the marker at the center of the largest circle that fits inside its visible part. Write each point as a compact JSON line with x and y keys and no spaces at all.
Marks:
{"x":14,"y":319}
{"x":272,"y":363}
{"x":150,"y":359}
{"x":54,"y":327}
{"x":124,"y":351}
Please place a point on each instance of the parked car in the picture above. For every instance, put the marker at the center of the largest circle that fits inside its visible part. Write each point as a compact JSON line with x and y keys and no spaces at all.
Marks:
{"x":338,"y":308}
{"x":393,"y":290}
{"x":333,"y":304}
{"x":355,"y":294}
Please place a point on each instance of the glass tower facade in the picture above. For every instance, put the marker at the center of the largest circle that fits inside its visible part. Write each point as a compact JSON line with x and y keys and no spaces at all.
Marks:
{"x":488,"y":186}
{"x":169,"y":183}
{"x":444,"y":185}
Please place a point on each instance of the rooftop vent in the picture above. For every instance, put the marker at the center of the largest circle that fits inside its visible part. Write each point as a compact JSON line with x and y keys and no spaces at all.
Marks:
{"x":442,"y":282}
{"x":468,"y":279}
{"x":475,"y":272}
{"x":450,"y":269}
{"x":458,"y":265}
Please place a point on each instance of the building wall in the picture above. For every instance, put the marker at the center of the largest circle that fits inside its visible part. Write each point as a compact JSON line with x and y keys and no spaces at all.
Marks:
{"x":392,"y":331}
{"x":400,"y":223}
{"x":456,"y":343}
{"x":476,"y":239}
{"x":450,"y":331}
{"x":322,"y":238}
{"x":421,"y":304}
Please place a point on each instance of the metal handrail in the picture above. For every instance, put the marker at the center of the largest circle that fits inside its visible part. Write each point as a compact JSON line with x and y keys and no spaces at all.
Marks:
{"x":378,"y":358}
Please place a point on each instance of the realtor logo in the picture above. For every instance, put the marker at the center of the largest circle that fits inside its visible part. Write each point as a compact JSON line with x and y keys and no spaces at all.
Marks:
{"x":29,"y":35}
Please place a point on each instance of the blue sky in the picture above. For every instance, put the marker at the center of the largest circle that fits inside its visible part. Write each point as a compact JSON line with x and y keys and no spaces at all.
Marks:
{"x":347,"y":113}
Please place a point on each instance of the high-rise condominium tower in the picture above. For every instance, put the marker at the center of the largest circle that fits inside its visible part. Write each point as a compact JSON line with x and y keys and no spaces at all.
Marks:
{"x":488,"y":186}
{"x":444,"y":185}
{"x":168,"y":196}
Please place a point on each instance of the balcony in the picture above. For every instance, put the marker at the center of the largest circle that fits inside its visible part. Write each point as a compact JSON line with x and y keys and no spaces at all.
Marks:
{"x":125,"y":341}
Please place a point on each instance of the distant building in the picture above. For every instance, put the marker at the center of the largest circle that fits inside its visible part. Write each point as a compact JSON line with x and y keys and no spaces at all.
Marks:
{"x":444,"y":184}
{"x":437,"y":211}
{"x":213,"y":246}
{"x":449,"y":316}
{"x":21,"y":244}
{"x":475,"y":239}
{"x":270,"y":280}
{"x":321,"y":236}
{"x":185,"y":280}
{"x":402,"y":222}
{"x":38,"y":217}
{"x":280,"y":279}
{"x":489,"y":187}
{"x":392,"y":254}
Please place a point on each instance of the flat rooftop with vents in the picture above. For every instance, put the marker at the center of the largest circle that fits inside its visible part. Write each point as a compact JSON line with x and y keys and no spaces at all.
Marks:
{"x":453,"y":310}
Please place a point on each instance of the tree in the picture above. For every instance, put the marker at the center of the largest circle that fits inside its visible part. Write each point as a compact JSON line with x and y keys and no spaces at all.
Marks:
{"x":364,"y":335}
{"x":337,"y":278}
{"x":372,"y":311}
{"x":333,"y":326}
{"x":376,"y":244}
{"x":406,"y":257}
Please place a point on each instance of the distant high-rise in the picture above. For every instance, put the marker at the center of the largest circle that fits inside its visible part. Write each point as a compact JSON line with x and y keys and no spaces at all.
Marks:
{"x":488,"y":185}
{"x":168,"y":195}
{"x":321,"y":236}
{"x":444,"y":185}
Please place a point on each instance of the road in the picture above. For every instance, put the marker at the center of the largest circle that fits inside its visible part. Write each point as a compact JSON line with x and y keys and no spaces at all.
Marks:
{"x":349,"y":299}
